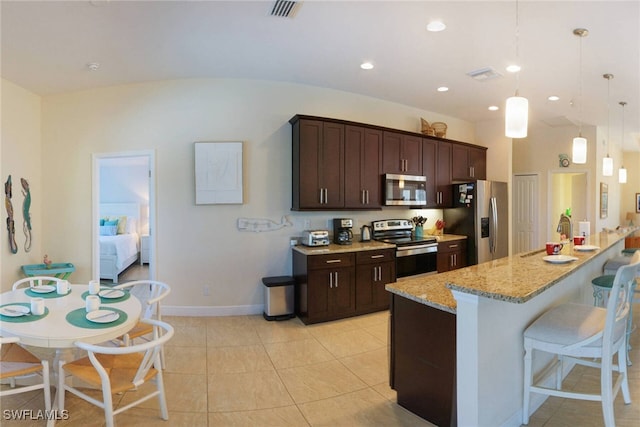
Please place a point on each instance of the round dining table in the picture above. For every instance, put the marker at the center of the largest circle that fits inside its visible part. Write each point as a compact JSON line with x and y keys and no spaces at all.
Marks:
{"x":64,"y":321}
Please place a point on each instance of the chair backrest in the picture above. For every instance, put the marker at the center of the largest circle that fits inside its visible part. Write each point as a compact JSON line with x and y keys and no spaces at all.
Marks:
{"x":162,"y":332}
{"x":151,"y":293}
{"x":619,"y":303}
{"x":36,"y":281}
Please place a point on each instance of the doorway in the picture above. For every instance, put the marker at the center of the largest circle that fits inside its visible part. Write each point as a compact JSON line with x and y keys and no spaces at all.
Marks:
{"x":123,"y":189}
{"x":567,"y":190}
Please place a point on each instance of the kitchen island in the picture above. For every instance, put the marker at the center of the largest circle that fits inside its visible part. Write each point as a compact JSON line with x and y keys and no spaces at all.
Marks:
{"x":486,"y":308}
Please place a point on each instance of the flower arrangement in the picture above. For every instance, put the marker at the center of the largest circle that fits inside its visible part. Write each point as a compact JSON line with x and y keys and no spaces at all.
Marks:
{"x":419,"y":220}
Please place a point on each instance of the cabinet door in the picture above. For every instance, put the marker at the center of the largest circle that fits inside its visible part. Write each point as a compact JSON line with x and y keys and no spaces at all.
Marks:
{"x":478,"y":162}
{"x":363,"y":149}
{"x":318,"y":284}
{"x":320,"y":170}
{"x":443,"y":178}
{"x":342,"y":294}
{"x":430,"y":170}
{"x":332,"y":165}
{"x":386,"y":274}
{"x":460,"y":163}
{"x":412,"y":154}
{"x":392,"y":161}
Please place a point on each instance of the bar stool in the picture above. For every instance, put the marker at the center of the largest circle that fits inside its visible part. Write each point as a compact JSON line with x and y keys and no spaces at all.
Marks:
{"x":602,"y":287}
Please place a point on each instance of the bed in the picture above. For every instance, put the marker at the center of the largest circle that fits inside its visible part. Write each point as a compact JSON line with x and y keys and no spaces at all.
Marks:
{"x":119,"y":243}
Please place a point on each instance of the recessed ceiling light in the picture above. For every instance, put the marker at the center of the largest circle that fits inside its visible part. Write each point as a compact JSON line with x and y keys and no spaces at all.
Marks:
{"x":93,"y":66}
{"x":443,"y":89}
{"x":435,"y":26}
{"x":513,"y":68}
{"x":553,"y":98}
{"x":366,"y":66}
{"x":494,"y":108}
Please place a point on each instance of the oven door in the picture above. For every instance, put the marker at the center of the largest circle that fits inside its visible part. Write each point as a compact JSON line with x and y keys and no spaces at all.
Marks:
{"x":419,"y":259}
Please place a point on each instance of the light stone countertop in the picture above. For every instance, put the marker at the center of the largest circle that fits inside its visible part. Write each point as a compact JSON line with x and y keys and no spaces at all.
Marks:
{"x":355,"y":246}
{"x":516,"y":278}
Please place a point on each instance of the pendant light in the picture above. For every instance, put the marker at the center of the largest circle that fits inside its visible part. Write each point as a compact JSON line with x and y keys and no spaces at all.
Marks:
{"x":579,"y":154}
{"x":622,"y":172}
{"x":517,"y":108}
{"x":607,"y":162}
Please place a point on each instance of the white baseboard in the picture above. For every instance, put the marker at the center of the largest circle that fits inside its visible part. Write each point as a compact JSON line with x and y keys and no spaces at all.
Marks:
{"x":213,"y":311}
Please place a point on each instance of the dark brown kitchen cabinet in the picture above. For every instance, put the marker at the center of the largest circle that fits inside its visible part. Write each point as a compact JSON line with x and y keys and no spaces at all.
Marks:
{"x":325,"y":286}
{"x":436,"y":166}
{"x":423,"y":360}
{"x":468,"y":163}
{"x":363,"y":160}
{"x":318,"y":165}
{"x":452,"y":255}
{"x":374,"y":269}
{"x":401,"y":154}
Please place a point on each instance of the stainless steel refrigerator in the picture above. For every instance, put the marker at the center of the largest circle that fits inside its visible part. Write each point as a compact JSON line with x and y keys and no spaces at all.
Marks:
{"x":480,"y":212}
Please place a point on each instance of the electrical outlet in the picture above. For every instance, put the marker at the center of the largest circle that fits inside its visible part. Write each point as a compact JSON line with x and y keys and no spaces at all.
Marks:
{"x":206,"y":290}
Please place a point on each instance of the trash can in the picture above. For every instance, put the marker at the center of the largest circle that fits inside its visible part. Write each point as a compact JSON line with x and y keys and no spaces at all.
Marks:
{"x":278,"y":297}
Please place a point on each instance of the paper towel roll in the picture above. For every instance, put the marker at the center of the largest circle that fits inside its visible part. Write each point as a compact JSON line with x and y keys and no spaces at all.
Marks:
{"x":584,"y":228}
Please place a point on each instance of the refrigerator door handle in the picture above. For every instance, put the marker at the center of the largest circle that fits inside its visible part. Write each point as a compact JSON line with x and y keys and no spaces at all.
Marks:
{"x":493,"y":239}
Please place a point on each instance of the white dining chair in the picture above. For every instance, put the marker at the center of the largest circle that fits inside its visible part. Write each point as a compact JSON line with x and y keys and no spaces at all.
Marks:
{"x":151,"y":293}
{"x":17,"y":362}
{"x":585,"y":335}
{"x":118,"y":370}
{"x":33,"y":281}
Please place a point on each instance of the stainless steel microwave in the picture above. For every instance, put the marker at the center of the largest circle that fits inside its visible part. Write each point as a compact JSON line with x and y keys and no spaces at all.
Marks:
{"x":405,"y":190}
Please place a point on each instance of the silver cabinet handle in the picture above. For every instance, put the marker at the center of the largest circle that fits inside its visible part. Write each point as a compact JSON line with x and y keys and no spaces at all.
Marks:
{"x":326,"y":196}
{"x":336,"y":273}
{"x":330,"y":280}
{"x":453,"y":246}
{"x":375,"y":274}
{"x":333,"y":261}
{"x":321,"y":194}
{"x":367,"y":191}
{"x":379,"y":273}
{"x":362,"y":197}
{"x":377,"y":256}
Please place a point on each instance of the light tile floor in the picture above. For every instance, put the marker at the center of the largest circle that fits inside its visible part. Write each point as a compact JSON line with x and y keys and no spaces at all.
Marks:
{"x":245,"y":371}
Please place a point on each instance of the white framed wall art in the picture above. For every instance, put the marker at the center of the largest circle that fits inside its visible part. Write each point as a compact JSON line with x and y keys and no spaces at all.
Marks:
{"x":218,"y":173}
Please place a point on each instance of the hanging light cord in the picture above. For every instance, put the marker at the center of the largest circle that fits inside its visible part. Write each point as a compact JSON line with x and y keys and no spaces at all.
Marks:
{"x":517,"y":47}
{"x":580,"y":84}
{"x":608,"y":77}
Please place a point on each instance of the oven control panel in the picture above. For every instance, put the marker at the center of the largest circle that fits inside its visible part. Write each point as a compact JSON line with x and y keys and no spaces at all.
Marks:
{"x":392,"y":224}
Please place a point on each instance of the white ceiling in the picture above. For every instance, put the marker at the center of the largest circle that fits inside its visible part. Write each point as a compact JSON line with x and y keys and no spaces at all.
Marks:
{"x":46,"y":46}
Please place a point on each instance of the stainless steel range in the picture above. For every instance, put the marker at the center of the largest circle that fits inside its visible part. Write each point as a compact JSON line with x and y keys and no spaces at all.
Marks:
{"x":414,"y":255}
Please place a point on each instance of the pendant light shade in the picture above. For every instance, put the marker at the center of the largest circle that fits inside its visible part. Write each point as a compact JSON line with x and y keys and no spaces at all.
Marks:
{"x":579,"y":154}
{"x":607,"y":161}
{"x":517,"y":109}
{"x":622,"y":175}
{"x":516,"y":117}
{"x":622,"y":172}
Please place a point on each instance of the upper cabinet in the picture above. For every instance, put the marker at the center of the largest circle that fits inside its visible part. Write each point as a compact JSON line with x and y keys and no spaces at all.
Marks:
{"x":436,"y":165}
{"x":318,"y":165}
{"x":402,"y":154}
{"x":338,"y":164}
{"x":468,"y":162}
{"x":363,"y":162}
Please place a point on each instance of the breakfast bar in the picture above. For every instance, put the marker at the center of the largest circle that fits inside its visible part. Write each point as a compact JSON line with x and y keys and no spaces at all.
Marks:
{"x":476,"y":316}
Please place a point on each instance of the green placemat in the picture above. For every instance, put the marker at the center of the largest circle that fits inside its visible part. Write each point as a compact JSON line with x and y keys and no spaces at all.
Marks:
{"x":48,"y":295}
{"x":78,"y":318}
{"x":23,"y":319}
{"x":104,"y":300}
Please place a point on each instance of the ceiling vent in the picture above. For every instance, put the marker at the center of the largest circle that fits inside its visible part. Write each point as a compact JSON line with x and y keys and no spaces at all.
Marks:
{"x":285,"y":8}
{"x":484,"y":74}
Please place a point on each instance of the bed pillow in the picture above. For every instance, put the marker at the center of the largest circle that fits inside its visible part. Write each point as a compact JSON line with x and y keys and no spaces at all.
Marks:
{"x":101,"y":221}
{"x":122,"y":225}
{"x":111,"y":222}
{"x":108,"y":230}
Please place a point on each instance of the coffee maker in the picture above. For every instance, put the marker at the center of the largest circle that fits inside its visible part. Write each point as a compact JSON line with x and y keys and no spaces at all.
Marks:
{"x":342,"y":234}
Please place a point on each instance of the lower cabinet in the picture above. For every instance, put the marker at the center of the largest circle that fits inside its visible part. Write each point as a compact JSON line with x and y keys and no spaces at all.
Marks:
{"x":452,"y":255}
{"x":330,"y":287}
{"x":374,"y":269}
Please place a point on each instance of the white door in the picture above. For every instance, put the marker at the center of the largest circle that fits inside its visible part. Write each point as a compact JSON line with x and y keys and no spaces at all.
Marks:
{"x":525,"y":213}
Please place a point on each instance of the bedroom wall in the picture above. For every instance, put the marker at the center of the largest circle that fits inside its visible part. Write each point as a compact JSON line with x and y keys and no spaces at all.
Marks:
{"x":200,"y":246}
{"x":20,"y":158}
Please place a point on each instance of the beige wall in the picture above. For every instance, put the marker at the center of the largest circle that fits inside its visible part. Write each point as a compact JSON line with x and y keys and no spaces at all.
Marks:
{"x":20,"y":157}
{"x":200,"y":245}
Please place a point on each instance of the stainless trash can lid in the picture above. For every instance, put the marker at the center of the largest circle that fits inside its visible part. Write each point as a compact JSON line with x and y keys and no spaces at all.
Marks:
{"x":278,"y":281}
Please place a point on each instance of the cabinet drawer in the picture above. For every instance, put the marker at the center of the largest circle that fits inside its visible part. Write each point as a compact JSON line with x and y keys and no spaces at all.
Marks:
{"x":328,"y":261}
{"x":369,"y":257}
{"x":452,"y":246}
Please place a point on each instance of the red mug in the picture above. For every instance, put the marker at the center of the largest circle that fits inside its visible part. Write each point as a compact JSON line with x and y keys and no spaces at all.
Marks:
{"x":578,"y":240}
{"x":554,"y":248}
